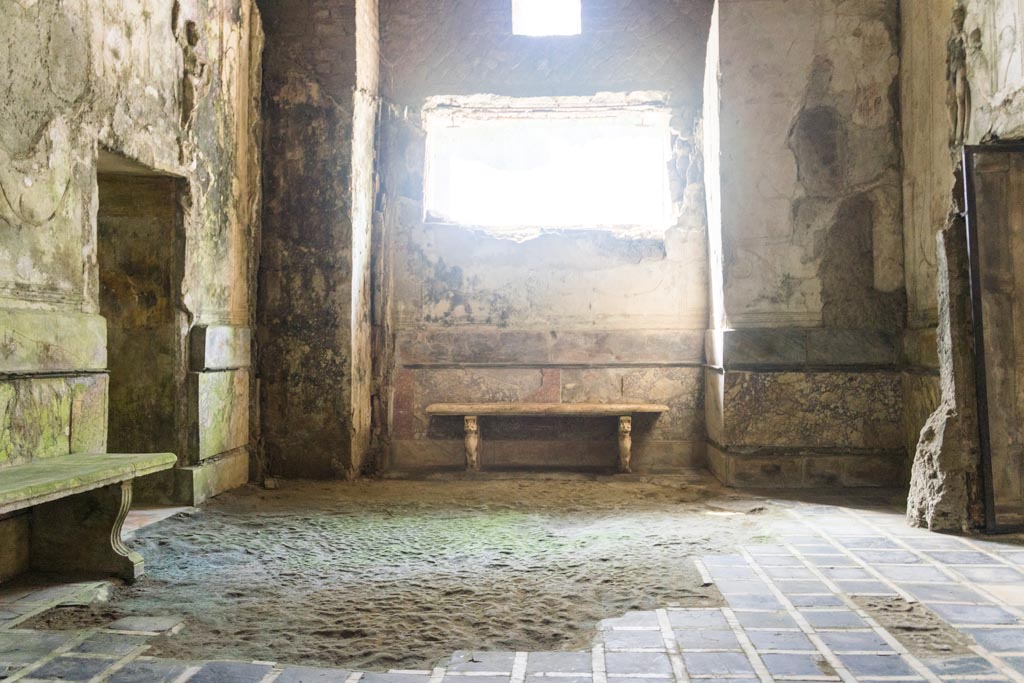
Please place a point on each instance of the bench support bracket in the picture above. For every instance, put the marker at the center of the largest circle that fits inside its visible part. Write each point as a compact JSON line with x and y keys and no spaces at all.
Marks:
{"x":82,"y":533}
{"x":472,"y":443}
{"x":625,"y":442}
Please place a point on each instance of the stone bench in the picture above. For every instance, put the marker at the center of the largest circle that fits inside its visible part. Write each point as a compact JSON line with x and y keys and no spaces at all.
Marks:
{"x":472,"y":411}
{"x":79,"y":505}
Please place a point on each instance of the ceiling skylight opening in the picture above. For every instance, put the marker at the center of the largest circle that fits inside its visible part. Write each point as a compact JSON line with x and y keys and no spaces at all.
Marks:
{"x":547,"y":17}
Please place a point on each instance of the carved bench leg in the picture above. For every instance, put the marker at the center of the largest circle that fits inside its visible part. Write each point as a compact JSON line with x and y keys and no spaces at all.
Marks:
{"x":625,"y":442}
{"x":82,"y":533}
{"x":472,"y":444}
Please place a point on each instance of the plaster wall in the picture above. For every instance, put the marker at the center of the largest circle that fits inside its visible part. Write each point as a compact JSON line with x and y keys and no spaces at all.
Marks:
{"x":806,"y":242}
{"x":170,"y":88}
{"x":572,"y":316}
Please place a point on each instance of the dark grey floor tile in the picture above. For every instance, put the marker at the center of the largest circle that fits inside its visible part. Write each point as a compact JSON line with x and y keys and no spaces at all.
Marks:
{"x":455,"y":678}
{"x":230,"y":672}
{"x":308,"y":674}
{"x":846,"y":573}
{"x":912,"y":574}
{"x":834,"y":619}
{"x":974,"y":614}
{"x":569,"y":662}
{"x":790,"y":588}
{"x":724,"y":561}
{"x":757,"y":586}
{"x":780,"y":640}
{"x":471,"y":660}
{"x":746,"y":601}
{"x":727,"y":572}
{"x":765,"y":619}
{"x":945,"y":592}
{"x":148,"y":671}
{"x":697,"y":618}
{"x":534,"y":678}
{"x":1017,"y":663}
{"x":632,"y":620}
{"x":717,"y":663}
{"x":25,"y":647}
{"x":862,"y":666}
{"x":792,"y":573}
{"x":876,"y":557}
{"x":637,"y":663}
{"x":867,"y":542}
{"x":999,"y":639}
{"x":621,"y":640}
{"x":780,"y":561}
{"x":855,"y":641}
{"x":72,"y":668}
{"x":827,"y":560}
{"x":802,"y":601}
{"x":962,"y":666}
{"x":109,"y":644}
{"x":959,"y":557}
{"x":797,"y":665}
{"x":708,"y":640}
{"x":991,"y":574}
{"x":418,"y":678}
{"x":865,"y":588}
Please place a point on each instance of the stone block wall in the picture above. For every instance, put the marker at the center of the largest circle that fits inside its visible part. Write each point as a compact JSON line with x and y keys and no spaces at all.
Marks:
{"x":169,"y":89}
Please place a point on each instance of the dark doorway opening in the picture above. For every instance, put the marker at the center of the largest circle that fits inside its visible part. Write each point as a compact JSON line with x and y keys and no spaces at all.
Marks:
{"x":141,"y":253}
{"x":994,"y":184}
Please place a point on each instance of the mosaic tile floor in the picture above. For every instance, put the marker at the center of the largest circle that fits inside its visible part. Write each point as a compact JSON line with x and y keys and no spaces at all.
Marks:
{"x":794,"y":612}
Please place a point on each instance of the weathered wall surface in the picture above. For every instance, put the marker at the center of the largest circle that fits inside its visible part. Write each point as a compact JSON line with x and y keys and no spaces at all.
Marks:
{"x":576,"y":316}
{"x":977,"y":42}
{"x":469,"y":48}
{"x":810,"y":159}
{"x":167,"y":86}
{"x":318,"y":167}
{"x":805,"y":229}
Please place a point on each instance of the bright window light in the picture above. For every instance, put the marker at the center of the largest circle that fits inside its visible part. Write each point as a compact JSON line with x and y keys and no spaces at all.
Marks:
{"x":546,"y":17}
{"x":509,"y":170}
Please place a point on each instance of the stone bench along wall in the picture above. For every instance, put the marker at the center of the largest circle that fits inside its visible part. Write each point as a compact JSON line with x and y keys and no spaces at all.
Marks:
{"x":572,"y":367}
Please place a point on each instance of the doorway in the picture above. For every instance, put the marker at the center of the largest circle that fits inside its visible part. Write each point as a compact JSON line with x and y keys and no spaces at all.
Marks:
{"x":995,"y":207}
{"x":141,"y":253}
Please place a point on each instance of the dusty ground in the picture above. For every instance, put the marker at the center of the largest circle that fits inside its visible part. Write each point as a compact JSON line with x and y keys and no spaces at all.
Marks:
{"x":399,"y":574}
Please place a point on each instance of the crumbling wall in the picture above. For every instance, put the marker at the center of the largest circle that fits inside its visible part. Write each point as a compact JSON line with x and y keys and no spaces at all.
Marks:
{"x":313,"y":297}
{"x":811,"y":161}
{"x":963,"y":79}
{"x":568,"y":316}
{"x":807,"y":238}
{"x":167,"y":85}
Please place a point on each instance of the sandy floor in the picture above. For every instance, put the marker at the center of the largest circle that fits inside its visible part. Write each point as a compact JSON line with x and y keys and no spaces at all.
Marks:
{"x":399,"y":574}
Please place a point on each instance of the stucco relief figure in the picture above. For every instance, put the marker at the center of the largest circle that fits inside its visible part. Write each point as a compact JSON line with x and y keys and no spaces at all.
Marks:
{"x":625,"y":442}
{"x":195,"y":79}
{"x":959,"y":94}
{"x":472,"y":443}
